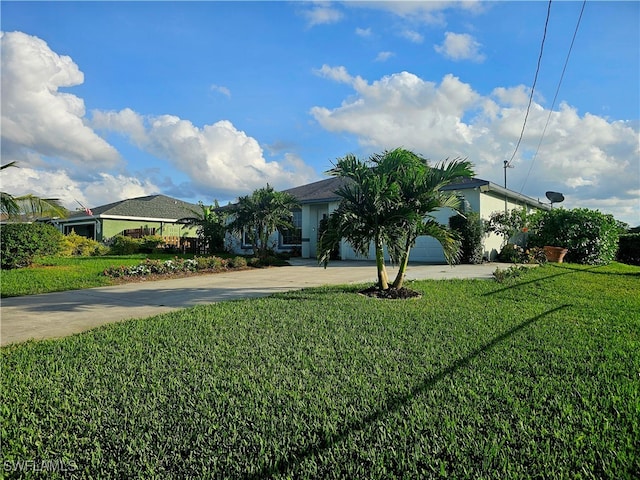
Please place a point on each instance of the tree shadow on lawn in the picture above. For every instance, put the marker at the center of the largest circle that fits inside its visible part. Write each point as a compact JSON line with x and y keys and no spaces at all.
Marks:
{"x":326,"y":441}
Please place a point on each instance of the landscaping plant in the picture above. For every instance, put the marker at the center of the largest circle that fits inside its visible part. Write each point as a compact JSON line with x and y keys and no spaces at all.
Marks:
{"x":211,"y":222}
{"x":260,"y":214}
{"x":629,"y":248}
{"x":471,"y":229}
{"x":389,"y":201}
{"x":22,"y":243}
{"x":590,"y":236}
{"x":77,"y":245}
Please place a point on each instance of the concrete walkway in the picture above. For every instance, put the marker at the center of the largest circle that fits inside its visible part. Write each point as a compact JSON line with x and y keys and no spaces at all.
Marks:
{"x":60,"y":314}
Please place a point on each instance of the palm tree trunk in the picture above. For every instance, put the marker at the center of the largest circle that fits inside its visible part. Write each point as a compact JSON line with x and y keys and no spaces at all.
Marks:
{"x":383,"y":280}
{"x":397,"y":283}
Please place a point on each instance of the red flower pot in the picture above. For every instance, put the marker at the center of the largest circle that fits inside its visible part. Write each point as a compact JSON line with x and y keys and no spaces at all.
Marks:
{"x":555,"y":254}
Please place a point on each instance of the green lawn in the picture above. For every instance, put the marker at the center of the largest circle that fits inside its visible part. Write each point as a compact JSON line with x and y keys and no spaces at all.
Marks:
{"x":56,"y":274}
{"x":536,"y":378}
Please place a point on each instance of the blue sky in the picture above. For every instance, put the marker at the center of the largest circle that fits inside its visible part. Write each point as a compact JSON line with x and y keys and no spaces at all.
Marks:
{"x":209,"y":100}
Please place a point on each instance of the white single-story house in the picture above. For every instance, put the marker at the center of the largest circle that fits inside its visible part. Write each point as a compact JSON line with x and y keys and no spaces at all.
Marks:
{"x":318,"y":200}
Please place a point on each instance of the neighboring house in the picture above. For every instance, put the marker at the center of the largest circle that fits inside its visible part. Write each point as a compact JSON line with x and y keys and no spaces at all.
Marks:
{"x":135,"y":217}
{"x":318,"y":200}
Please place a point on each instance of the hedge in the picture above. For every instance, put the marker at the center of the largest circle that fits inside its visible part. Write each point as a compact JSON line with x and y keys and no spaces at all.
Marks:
{"x":629,"y":249}
{"x":22,"y":242}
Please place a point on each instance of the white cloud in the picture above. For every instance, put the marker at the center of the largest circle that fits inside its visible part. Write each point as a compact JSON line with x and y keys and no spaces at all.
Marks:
{"x":38,"y":119}
{"x":318,"y":13}
{"x":424,"y":12}
{"x":220,"y":89}
{"x":338,"y":74}
{"x":384,"y":56}
{"x":592,"y":160}
{"x":218,"y":158}
{"x":363,"y":32}
{"x":460,"y":46}
{"x":61,"y":156}
{"x":412,"y":36}
{"x":98,"y":190}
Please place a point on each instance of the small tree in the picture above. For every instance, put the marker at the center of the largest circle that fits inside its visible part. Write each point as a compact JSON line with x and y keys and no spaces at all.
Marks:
{"x":422,"y":194}
{"x":260,"y":214}
{"x":364,"y":216}
{"x":510,"y":225}
{"x":389,"y":200}
{"x":211,"y":223}
{"x":470,"y":228}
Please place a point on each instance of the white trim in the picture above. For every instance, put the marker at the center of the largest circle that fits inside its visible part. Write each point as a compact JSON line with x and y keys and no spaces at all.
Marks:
{"x":121,"y":217}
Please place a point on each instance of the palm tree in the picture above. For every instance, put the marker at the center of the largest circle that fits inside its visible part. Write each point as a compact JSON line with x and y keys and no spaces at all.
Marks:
{"x":260,"y":214}
{"x":365,"y":215}
{"x":389,"y":201}
{"x":29,"y":206}
{"x":211,"y":225}
{"x":422,"y":195}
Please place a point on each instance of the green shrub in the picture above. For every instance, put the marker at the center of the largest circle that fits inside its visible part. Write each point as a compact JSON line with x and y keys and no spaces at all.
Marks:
{"x":22,"y":242}
{"x":470,"y":229}
{"x":149,"y":243}
{"x":512,"y":225}
{"x":153,"y":266}
{"x":121,"y":245}
{"x":590,"y":236}
{"x":629,"y":249}
{"x":512,"y":253}
{"x":77,"y":245}
{"x":505,"y":275}
{"x":237,"y":262}
{"x":211,"y":263}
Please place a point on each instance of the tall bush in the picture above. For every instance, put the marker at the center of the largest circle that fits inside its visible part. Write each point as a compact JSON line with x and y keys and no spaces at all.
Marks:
{"x":470,"y":229}
{"x":511,"y":226}
{"x":77,"y":245}
{"x":629,"y":249}
{"x":590,"y":236}
{"x":121,"y":245}
{"x":21,"y":243}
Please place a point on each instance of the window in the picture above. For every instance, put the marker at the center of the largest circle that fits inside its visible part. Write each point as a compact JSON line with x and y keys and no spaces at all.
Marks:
{"x":293,"y":237}
{"x":246,"y":238}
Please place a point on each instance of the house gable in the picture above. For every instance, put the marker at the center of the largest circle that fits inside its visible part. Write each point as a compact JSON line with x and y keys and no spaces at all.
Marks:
{"x":157,"y":214}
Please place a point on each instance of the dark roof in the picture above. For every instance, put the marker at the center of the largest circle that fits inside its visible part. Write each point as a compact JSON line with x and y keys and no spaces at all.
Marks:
{"x":324,"y":190}
{"x":152,"y":206}
{"x":464,"y":183}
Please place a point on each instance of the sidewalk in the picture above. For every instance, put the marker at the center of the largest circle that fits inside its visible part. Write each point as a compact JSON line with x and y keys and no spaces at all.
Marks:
{"x":60,"y":314}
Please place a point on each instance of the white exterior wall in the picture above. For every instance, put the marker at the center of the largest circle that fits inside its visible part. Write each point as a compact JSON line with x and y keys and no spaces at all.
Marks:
{"x":426,"y":249}
{"x":492,"y":203}
{"x":429,"y":250}
{"x":311,"y":217}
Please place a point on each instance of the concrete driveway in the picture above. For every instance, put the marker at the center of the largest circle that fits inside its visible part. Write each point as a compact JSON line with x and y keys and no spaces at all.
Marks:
{"x":60,"y":314}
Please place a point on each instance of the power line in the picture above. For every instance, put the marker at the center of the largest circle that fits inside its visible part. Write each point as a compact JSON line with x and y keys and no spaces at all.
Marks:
{"x":533,"y":87}
{"x":564,"y":69}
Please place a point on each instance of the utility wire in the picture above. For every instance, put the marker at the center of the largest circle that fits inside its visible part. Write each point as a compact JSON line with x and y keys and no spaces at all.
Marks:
{"x":564,"y":69}
{"x":533,"y":87}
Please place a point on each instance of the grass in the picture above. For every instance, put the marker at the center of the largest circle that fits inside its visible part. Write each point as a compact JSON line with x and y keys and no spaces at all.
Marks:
{"x":56,"y":274}
{"x":538,"y":377}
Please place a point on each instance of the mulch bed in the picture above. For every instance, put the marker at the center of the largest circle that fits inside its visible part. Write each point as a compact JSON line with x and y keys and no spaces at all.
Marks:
{"x":169,"y":276}
{"x":391,"y":293}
